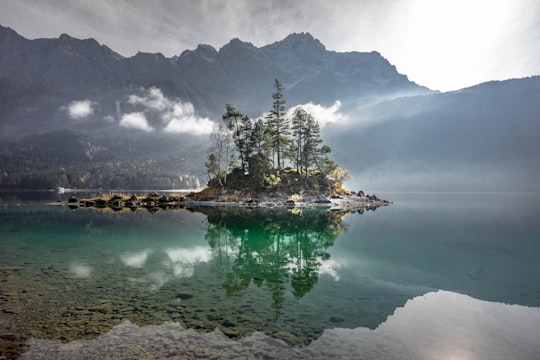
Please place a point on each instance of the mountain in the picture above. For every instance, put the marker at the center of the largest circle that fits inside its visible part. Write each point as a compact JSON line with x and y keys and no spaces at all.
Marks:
{"x":482,"y":138}
{"x":38,"y":77}
{"x":75,"y":113}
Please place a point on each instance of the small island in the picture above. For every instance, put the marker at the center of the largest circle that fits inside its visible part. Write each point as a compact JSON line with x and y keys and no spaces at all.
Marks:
{"x":276,"y":160}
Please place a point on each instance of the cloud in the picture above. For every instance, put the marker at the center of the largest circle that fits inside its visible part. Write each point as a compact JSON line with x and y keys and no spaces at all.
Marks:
{"x":178,"y":117}
{"x":154,"y":100}
{"x":135,"y":120}
{"x":324,"y":115}
{"x":80,"y":109}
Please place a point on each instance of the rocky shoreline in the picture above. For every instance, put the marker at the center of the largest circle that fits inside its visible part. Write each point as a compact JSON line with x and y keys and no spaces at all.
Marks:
{"x":156,"y":201}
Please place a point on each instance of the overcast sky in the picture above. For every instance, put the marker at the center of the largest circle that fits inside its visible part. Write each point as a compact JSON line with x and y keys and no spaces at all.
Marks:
{"x":443,"y":44}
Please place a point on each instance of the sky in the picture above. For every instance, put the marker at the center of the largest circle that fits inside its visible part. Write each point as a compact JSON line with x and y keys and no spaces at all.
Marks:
{"x":443,"y":44}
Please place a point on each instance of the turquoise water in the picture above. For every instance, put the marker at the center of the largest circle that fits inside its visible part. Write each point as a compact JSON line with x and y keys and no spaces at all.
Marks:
{"x":434,"y":273}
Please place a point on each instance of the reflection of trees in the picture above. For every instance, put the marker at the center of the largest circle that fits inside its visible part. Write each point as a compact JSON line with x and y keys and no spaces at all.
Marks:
{"x":271,"y":247}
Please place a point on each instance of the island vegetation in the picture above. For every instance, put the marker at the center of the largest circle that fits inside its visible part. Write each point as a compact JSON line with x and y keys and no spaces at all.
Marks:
{"x":271,"y":154}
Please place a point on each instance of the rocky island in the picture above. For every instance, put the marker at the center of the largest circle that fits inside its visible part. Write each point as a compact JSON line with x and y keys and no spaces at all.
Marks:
{"x":155,"y":201}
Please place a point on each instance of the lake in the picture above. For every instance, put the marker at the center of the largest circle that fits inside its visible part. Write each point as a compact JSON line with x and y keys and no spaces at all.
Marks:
{"x":434,"y":276}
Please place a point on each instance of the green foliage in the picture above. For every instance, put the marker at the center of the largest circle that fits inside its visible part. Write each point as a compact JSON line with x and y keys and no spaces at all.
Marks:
{"x":272,"y":180}
{"x":278,"y":127}
{"x":263,"y":146}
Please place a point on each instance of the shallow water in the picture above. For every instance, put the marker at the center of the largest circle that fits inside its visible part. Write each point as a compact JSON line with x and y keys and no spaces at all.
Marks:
{"x":434,"y":274}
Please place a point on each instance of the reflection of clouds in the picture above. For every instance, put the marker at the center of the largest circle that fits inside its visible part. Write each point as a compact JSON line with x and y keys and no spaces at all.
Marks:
{"x":136,"y":260}
{"x":80,"y":270}
{"x":158,"y":279}
{"x":190,"y":256}
{"x":439,"y":325}
{"x":175,"y":263}
{"x":329,"y":267}
{"x":182,"y":261}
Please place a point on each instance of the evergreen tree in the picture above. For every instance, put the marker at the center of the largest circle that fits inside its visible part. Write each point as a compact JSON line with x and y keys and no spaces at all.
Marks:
{"x":245,"y":144}
{"x":298,"y":126}
{"x":257,"y":139}
{"x":306,"y":150}
{"x":278,"y":127}
{"x":311,"y":153}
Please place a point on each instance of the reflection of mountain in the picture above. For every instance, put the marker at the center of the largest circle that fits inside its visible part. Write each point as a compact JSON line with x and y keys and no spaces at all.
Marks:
{"x":272,"y":247}
{"x":437,"y":325}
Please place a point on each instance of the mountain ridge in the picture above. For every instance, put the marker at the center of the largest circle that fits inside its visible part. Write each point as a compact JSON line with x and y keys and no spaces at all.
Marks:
{"x":49,"y":73}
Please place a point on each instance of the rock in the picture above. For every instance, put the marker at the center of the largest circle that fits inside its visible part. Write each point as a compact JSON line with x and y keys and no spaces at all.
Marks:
{"x":336,"y":319}
{"x":211,"y":317}
{"x":322,"y":200}
{"x":184,"y":296}
{"x":287,"y":337}
{"x":228,"y":323}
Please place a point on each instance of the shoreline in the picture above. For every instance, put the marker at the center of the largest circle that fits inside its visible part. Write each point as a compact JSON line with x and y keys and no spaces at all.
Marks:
{"x":158,"y":201}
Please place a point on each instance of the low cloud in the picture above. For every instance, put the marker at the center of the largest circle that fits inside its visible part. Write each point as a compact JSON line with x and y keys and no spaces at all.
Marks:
{"x":80,"y":109}
{"x":188,"y":123}
{"x":324,"y":115}
{"x":135,"y":120}
{"x":154,"y":99}
{"x":176,"y":116}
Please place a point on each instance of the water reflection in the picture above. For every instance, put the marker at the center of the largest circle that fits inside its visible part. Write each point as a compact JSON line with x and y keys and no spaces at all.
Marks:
{"x":274,"y":248}
{"x":137,"y":259}
{"x":183,"y":261}
{"x":292,"y":275}
{"x":80,"y":270}
{"x":437,"y":325}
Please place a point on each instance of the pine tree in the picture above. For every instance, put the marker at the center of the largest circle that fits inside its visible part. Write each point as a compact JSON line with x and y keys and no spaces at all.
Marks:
{"x":298,"y":125}
{"x":278,"y":127}
{"x":306,"y":151}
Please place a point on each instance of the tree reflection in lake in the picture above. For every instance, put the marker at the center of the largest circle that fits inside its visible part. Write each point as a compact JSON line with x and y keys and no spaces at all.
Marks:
{"x":272,"y":247}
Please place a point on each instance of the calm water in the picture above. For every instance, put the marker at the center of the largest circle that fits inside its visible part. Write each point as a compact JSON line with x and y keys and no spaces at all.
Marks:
{"x":435,"y":276}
